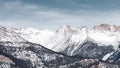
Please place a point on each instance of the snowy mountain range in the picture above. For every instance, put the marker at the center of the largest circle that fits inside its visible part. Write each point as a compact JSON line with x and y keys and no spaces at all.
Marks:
{"x":100,"y":42}
{"x":103,"y":34}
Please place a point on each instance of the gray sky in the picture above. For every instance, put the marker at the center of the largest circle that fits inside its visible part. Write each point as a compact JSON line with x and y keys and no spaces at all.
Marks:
{"x":51,"y":14}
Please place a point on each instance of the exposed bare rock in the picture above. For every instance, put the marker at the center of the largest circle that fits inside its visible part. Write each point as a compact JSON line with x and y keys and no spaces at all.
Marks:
{"x":5,"y":59}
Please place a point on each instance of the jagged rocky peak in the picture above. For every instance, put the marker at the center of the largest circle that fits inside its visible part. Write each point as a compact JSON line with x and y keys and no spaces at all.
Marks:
{"x":66,"y":29}
{"x":107,"y":27}
{"x":117,"y":29}
{"x":98,"y":28}
{"x":82,"y":28}
{"x":102,"y":26}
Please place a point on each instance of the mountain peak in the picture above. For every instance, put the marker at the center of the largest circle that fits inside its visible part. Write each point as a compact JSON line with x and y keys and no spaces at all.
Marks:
{"x":102,"y":27}
{"x":66,"y":29}
{"x":107,"y":27}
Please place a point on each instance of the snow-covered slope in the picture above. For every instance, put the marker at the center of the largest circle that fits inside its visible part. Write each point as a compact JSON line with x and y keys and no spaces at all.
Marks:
{"x":101,"y":41}
{"x":104,"y":39}
{"x":69,"y":37}
{"x":103,"y":34}
{"x":8,"y":34}
{"x":36,"y":36}
{"x":66,"y":36}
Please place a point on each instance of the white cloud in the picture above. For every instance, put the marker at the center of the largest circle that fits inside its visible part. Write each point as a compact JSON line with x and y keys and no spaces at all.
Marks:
{"x":44,"y":17}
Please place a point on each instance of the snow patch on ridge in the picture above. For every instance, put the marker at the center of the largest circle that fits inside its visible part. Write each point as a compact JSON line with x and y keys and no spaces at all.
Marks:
{"x":107,"y":56}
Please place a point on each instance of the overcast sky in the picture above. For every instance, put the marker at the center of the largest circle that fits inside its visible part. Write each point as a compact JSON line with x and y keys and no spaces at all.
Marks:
{"x":51,"y":14}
